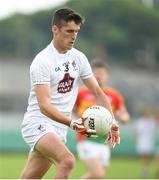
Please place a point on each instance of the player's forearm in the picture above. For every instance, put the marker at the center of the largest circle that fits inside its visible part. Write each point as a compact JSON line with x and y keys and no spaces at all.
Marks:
{"x":54,"y":114}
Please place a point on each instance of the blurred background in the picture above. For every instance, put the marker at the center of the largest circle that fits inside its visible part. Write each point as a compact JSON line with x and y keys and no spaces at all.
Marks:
{"x":123,"y":32}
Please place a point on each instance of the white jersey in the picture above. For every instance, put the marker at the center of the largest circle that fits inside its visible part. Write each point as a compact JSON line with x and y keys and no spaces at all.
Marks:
{"x":62,"y":72}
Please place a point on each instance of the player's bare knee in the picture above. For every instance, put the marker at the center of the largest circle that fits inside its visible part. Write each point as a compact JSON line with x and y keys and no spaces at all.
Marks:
{"x":68,"y":162}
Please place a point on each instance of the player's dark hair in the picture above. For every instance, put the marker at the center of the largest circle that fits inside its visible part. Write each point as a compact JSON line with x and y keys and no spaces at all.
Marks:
{"x":66,"y":15}
{"x":98,"y":63}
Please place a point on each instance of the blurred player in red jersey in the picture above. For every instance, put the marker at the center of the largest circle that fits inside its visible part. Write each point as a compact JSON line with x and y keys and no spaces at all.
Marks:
{"x":93,"y":151}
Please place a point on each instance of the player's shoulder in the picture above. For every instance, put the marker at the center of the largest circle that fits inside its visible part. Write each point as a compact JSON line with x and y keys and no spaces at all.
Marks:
{"x":42,"y":56}
{"x":44,"y":53}
{"x":77,"y":53}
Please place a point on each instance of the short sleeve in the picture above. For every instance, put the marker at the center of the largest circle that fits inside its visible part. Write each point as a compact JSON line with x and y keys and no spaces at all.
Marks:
{"x":39,"y":72}
{"x":85,"y":68}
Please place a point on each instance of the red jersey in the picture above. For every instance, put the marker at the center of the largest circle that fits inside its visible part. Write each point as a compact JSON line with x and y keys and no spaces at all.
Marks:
{"x":86,"y":99}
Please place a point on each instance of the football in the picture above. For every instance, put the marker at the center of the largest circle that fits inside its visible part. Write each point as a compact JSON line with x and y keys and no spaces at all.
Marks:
{"x":98,"y":118}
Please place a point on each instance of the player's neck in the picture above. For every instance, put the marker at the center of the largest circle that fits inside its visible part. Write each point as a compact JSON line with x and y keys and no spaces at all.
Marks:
{"x":58,"y":48}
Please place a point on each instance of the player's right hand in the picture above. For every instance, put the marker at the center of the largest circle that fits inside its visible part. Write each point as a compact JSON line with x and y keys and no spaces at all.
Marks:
{"x":78,"y":125}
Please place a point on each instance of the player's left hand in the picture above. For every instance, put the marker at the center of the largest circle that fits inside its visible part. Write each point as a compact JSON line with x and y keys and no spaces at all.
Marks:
{"x":113,"y":137}
{"x":78,"y":125}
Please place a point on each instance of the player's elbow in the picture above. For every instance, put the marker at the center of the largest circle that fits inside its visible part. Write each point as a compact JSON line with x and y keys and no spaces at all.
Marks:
{"x":125,"y":119}
{"x":44,"y":107}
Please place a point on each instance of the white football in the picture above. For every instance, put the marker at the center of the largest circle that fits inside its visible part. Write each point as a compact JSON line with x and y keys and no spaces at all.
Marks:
{"x":98,"y":118}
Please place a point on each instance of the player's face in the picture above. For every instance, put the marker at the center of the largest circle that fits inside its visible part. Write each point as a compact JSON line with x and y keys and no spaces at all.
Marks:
{"x":101,"y":75}
{"x":64,"y":37}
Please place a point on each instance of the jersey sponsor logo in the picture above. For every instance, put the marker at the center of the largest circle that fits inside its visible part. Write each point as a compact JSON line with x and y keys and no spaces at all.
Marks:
{"x":66,"y":84}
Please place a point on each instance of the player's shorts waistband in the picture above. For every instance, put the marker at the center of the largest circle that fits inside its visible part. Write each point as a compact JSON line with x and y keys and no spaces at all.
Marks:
{"x":40,"y":117}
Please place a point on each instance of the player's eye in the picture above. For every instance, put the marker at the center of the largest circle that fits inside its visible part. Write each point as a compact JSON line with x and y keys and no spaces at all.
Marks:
{"x":72,"y":31}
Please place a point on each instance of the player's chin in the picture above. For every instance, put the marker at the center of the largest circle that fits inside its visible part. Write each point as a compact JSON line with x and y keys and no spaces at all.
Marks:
{"x":70,"y":47}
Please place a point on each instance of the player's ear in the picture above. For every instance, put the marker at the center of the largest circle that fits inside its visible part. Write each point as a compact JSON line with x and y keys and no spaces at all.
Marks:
{"x":54,"y":29}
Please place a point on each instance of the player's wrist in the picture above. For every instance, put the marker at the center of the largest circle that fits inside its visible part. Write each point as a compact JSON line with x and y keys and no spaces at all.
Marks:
{"x":115,"y":121}
{"x":74,"y":122}
{"x":115,"y":126}
{"x":71,"y":125}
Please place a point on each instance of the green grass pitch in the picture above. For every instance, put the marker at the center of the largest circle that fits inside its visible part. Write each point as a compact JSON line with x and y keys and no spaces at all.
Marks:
{"x":120,"y":167}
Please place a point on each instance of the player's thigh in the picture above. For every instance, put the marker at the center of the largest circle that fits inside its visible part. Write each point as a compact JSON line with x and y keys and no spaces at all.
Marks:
{"x":53,"y":148}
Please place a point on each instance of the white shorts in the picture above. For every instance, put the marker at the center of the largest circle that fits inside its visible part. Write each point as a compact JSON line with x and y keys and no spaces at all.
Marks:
{"x":88,"y":149}
{"x":34,"y":128}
